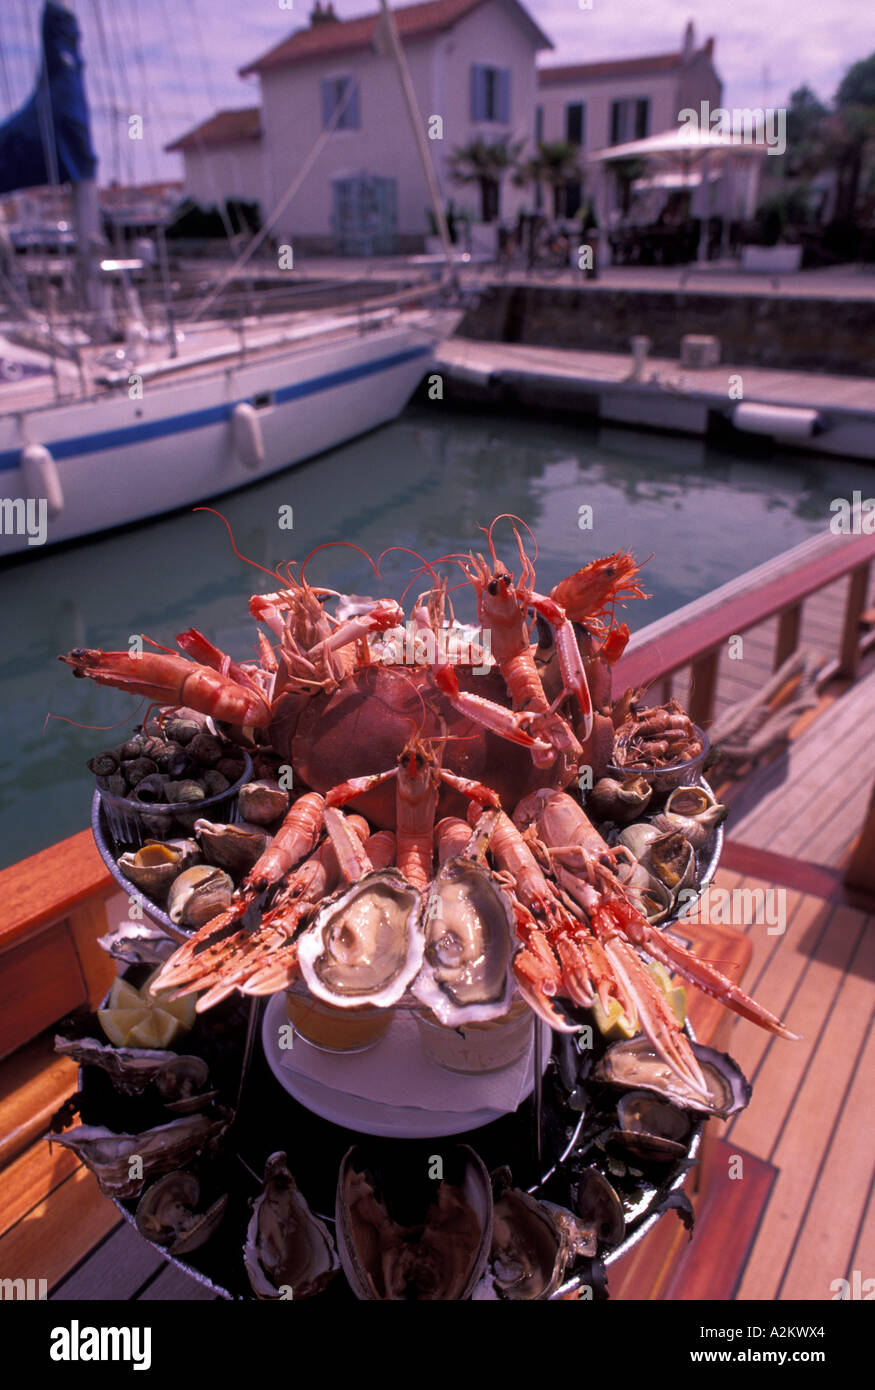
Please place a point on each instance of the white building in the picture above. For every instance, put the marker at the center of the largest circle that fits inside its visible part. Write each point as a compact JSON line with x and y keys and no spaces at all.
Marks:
{"x":595,"y":105}
{"x":473,"y":65}
{"x":223,"y":158}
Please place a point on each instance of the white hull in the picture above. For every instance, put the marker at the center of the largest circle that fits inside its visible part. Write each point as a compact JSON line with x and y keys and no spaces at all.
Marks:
{"x":120,"y":460}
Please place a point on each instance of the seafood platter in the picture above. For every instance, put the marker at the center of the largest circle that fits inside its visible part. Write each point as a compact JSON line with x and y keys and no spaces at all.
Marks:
{"x":398,"y":1014}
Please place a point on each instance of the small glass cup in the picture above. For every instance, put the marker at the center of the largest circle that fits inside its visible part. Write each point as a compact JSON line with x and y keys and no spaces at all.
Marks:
{"x":478,"y":1048}
{"x":336,"y":1030}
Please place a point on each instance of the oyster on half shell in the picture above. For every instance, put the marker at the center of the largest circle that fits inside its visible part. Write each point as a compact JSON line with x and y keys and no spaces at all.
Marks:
{"x":287,"y":1247}
{"x":633,"y":1064}
{"x":365,"y":945}
{"x":533,"y":1244}
{"x":161,"y":1149}
{"x":167,"y":1214}
{"x":468,"y":922}
{"x":438,"y":1252}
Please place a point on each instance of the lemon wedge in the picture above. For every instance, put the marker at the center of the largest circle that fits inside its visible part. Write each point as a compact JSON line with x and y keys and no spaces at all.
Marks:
{"x":676,"y":995}
{"x":181,"y":1009}
{"x":137,"y":1018}
{"x":614,"y":1024}
{"x":123,"y":996}
{"x":157,"y":1029}
{"x":117,"y":1023}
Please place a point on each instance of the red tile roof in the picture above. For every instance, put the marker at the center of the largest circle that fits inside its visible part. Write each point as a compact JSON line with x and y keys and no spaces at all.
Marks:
{"x":617,"y":67}
{"x":412,"y":22}
{"x":224,"y":128}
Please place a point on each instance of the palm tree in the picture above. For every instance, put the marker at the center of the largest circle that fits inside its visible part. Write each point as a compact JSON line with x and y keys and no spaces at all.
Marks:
{"x":486,"y":164}
{"x":555,"y":164}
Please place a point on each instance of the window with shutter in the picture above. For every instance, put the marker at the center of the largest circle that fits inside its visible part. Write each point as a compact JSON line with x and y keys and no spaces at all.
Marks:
{"x":344,"y":92}
{"x":642,"y":118}
{"x":490,"y":94}
{"x":574,"y":122}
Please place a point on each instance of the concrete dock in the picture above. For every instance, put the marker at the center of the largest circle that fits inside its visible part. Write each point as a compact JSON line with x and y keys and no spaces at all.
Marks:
{"x":665,"y":397}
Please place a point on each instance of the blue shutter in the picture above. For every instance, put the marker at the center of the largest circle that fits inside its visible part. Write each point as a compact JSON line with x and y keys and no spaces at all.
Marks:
{"x":502,"y":100}
{"x":328,"y":101}
{"x":351,"y":115}
{"x":478,"y":92}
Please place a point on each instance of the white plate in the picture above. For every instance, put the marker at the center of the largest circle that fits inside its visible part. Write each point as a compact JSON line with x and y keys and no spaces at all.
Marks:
{"x":370,"y":1116}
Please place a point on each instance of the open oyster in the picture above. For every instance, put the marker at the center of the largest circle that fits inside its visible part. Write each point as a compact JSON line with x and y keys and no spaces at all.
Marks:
{"x":365,"y":945}
{"x":599,"y":1210}
{"x":633,"y":1063}
{"x":167,"y":1214}
{"x":533,"y":1244}
{"x":469,"y":942}
{"x":288,"y":1251}
{"x":179,"y":1080}
{"x":439,"y":1254}
{"x":158,"y":1150}
{"x":651,"y":1129}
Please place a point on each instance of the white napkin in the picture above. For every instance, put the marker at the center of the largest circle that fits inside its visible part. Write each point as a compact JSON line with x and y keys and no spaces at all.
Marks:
{"x":398,"y":1071}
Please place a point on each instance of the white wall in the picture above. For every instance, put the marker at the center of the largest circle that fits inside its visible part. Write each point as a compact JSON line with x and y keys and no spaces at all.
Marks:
{"x":660,"y":88}
{"x":384,"y":145}
{"x":233,"y":171}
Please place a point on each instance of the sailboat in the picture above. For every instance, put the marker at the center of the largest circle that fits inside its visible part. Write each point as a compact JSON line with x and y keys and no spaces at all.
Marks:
{"x":94,"y":435}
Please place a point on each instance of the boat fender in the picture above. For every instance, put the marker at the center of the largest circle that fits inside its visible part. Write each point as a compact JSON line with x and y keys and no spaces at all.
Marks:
{"x":781,"y":421}
{"x":248,"y":439}
{"x":41,"y":477}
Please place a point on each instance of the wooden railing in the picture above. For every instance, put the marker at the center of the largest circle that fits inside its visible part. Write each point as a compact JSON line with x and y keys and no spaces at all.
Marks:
{"x":696,"y":635}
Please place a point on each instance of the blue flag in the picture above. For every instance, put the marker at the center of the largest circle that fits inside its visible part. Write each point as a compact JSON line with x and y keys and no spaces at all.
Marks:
{"x":49,"y":139}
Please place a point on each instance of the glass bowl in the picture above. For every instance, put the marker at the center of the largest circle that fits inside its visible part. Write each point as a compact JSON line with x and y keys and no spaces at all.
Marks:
{"x":132,"y":823}
{"x":665,"y":779}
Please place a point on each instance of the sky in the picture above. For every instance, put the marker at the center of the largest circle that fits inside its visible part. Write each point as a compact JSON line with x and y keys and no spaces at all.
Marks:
{"x":174,"y":62}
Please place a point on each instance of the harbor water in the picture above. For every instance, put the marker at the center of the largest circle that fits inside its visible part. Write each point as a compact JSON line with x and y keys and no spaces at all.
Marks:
{"x":428,"y":481}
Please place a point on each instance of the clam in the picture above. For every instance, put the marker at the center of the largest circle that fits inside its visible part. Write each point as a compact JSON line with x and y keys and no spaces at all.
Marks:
{"x":288,"y":1251}
{"x":180,"y":1082}
{"x":167,"y":1214}
{"x":532,"y":1245}
{"x":470,"y":938}
{"x":262,"y":802}
{"x":198,"y":895}
{"x":652,"y":1129}
{"x":438,"y":1253}
{"x":619,"y":800}
{"x":152,"y":868}
{"x":159,"y":1150}
{"x":634,"y":1064}
{"x":233,"y":848}
{"x":600,"y":1210}
{"x":365,"y":945}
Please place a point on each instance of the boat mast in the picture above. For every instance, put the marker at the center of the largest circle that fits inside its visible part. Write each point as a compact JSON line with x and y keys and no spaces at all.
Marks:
{"x":418,"y":131}
{"x":90,"y":245}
